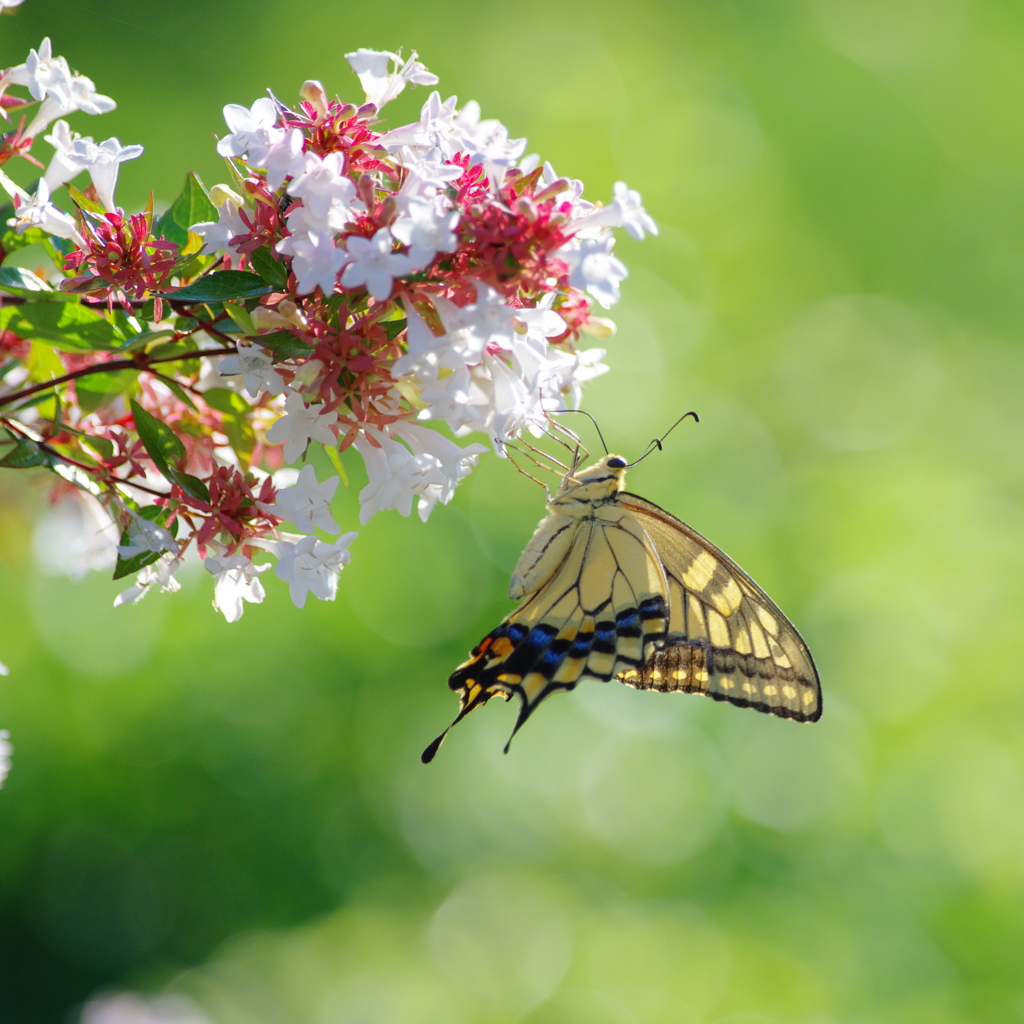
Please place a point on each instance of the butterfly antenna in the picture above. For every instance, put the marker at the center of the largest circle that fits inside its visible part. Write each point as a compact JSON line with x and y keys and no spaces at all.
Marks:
{"x":583,"y":412}
{"x":656,"y":443}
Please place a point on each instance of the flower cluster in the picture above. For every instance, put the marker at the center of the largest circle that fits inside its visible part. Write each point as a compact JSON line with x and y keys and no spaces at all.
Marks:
{"x":348,"y":287}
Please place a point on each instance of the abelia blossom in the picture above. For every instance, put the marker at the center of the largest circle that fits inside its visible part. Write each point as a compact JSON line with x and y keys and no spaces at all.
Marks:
{"x":428,"y":273}
{"x":306,"y":504}
{"x":103,"y":161}
{"x":309,"y":565}
{"x":236,"y":580}
{"x":300,"y":425}
{"x":255,"y":366}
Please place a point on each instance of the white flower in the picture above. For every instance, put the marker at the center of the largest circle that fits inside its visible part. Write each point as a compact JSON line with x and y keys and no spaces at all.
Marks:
{"x":426,"y":352}
{"x":317,"y":261}
{"x":473,"y":327}
{"x":63,"y":165}
{"x":160,"y":572}
{"x":251,"y":130}
{"x":311,"y":565}
{"x":436,"y":128}
{"x":426,"y":171}
{"x":38,"y":211}
{"x":307,"y":504}
{"x":84,"y":97}
{"x":454,"y":463}
{"x":75,"y":537}
{"x":426,"y":231}
{"x":283,"y":158}
{"x":43,"y":74}
{"x":236,"y":580}
{"x":541,"y":319}
{"x":217,"y":235}
{"x":624,"y":211}
{"x":103,"y":162}
{"x":567,"y":372}
{"x":145,"y":535}
{"x":321,"y":182}
{"x":397,"y":475}
{"x":10,"y":3}
{"x":5,"y":753}
{"x":255,"y":366}
{"x":371,"y":262}
{"x":594,"y":268}
{"x":303,"y":222}
{"x":300,"y":425}
{"x":380,"y":85}
{"x":4,"y":670}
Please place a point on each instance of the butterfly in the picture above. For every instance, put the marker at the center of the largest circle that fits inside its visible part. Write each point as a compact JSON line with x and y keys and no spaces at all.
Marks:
{"x":614,"y":587}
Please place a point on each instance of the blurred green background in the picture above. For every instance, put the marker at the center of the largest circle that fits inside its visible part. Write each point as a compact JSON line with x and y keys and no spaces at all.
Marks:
{"x":239,"y":813}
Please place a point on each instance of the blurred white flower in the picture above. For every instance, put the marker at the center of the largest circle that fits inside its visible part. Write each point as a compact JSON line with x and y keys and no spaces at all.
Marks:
{"x":594,"y":268}
{"x":309,"y":565}
{"x":145,"y":535}
{"x":300,"y":425}
{"x":307,"y":503}
{"x":160,"y":573}
{"x":5,"y":748}
{"x":75,"y":537}
{"x":125,"y":1008}
{"x":624,"y":211}
{"x":38,"y":211}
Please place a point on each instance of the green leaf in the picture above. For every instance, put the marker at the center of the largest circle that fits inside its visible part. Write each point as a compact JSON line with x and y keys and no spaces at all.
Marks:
{"x":11,"y":241}
{"x":128,"y":566}
{"x":180,"y":394}
{"x":138,"y":341}
{"x":102,"y":446}
{"x":191,"y":485}
{"x":220,"y":287}
{"x":99,"y":389}
{"x":240,"y":315}
{"x":235,"y":411}
{"x":25,"y":455}
{"x":164,"y":446}
{"x":284,"y":345}
{"x":193,"y":206}
{"x":68,"y":326}
{"x":270,"y":269}
{"x":167,"y":227}
{"x":83,"y":202}
{"x":19,"y":281}
{"x":392,"y":328}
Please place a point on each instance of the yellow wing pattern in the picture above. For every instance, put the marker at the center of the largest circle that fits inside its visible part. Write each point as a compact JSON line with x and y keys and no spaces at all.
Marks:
{"x":601,"y":613}
{"x":725,"y":638}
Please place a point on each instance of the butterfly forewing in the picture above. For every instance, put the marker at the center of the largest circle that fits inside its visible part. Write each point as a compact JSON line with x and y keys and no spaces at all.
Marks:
{"x":726,"y":638}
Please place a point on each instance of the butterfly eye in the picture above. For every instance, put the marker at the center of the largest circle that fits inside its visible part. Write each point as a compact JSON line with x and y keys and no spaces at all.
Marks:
{"x":616,"y":463}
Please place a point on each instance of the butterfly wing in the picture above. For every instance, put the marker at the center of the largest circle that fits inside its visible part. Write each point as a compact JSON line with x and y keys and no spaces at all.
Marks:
{"x":599,"y":614}
{"x":725,"y":637}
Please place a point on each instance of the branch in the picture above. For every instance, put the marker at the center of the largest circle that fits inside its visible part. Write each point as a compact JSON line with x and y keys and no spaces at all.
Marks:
{"x":114,"y":364}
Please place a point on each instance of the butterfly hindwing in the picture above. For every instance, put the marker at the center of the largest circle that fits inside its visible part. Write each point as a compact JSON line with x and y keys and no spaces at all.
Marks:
{"x":726,"y":638}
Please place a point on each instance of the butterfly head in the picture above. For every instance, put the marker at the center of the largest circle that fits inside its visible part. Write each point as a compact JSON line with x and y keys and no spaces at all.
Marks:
{"x":597,"y":483}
